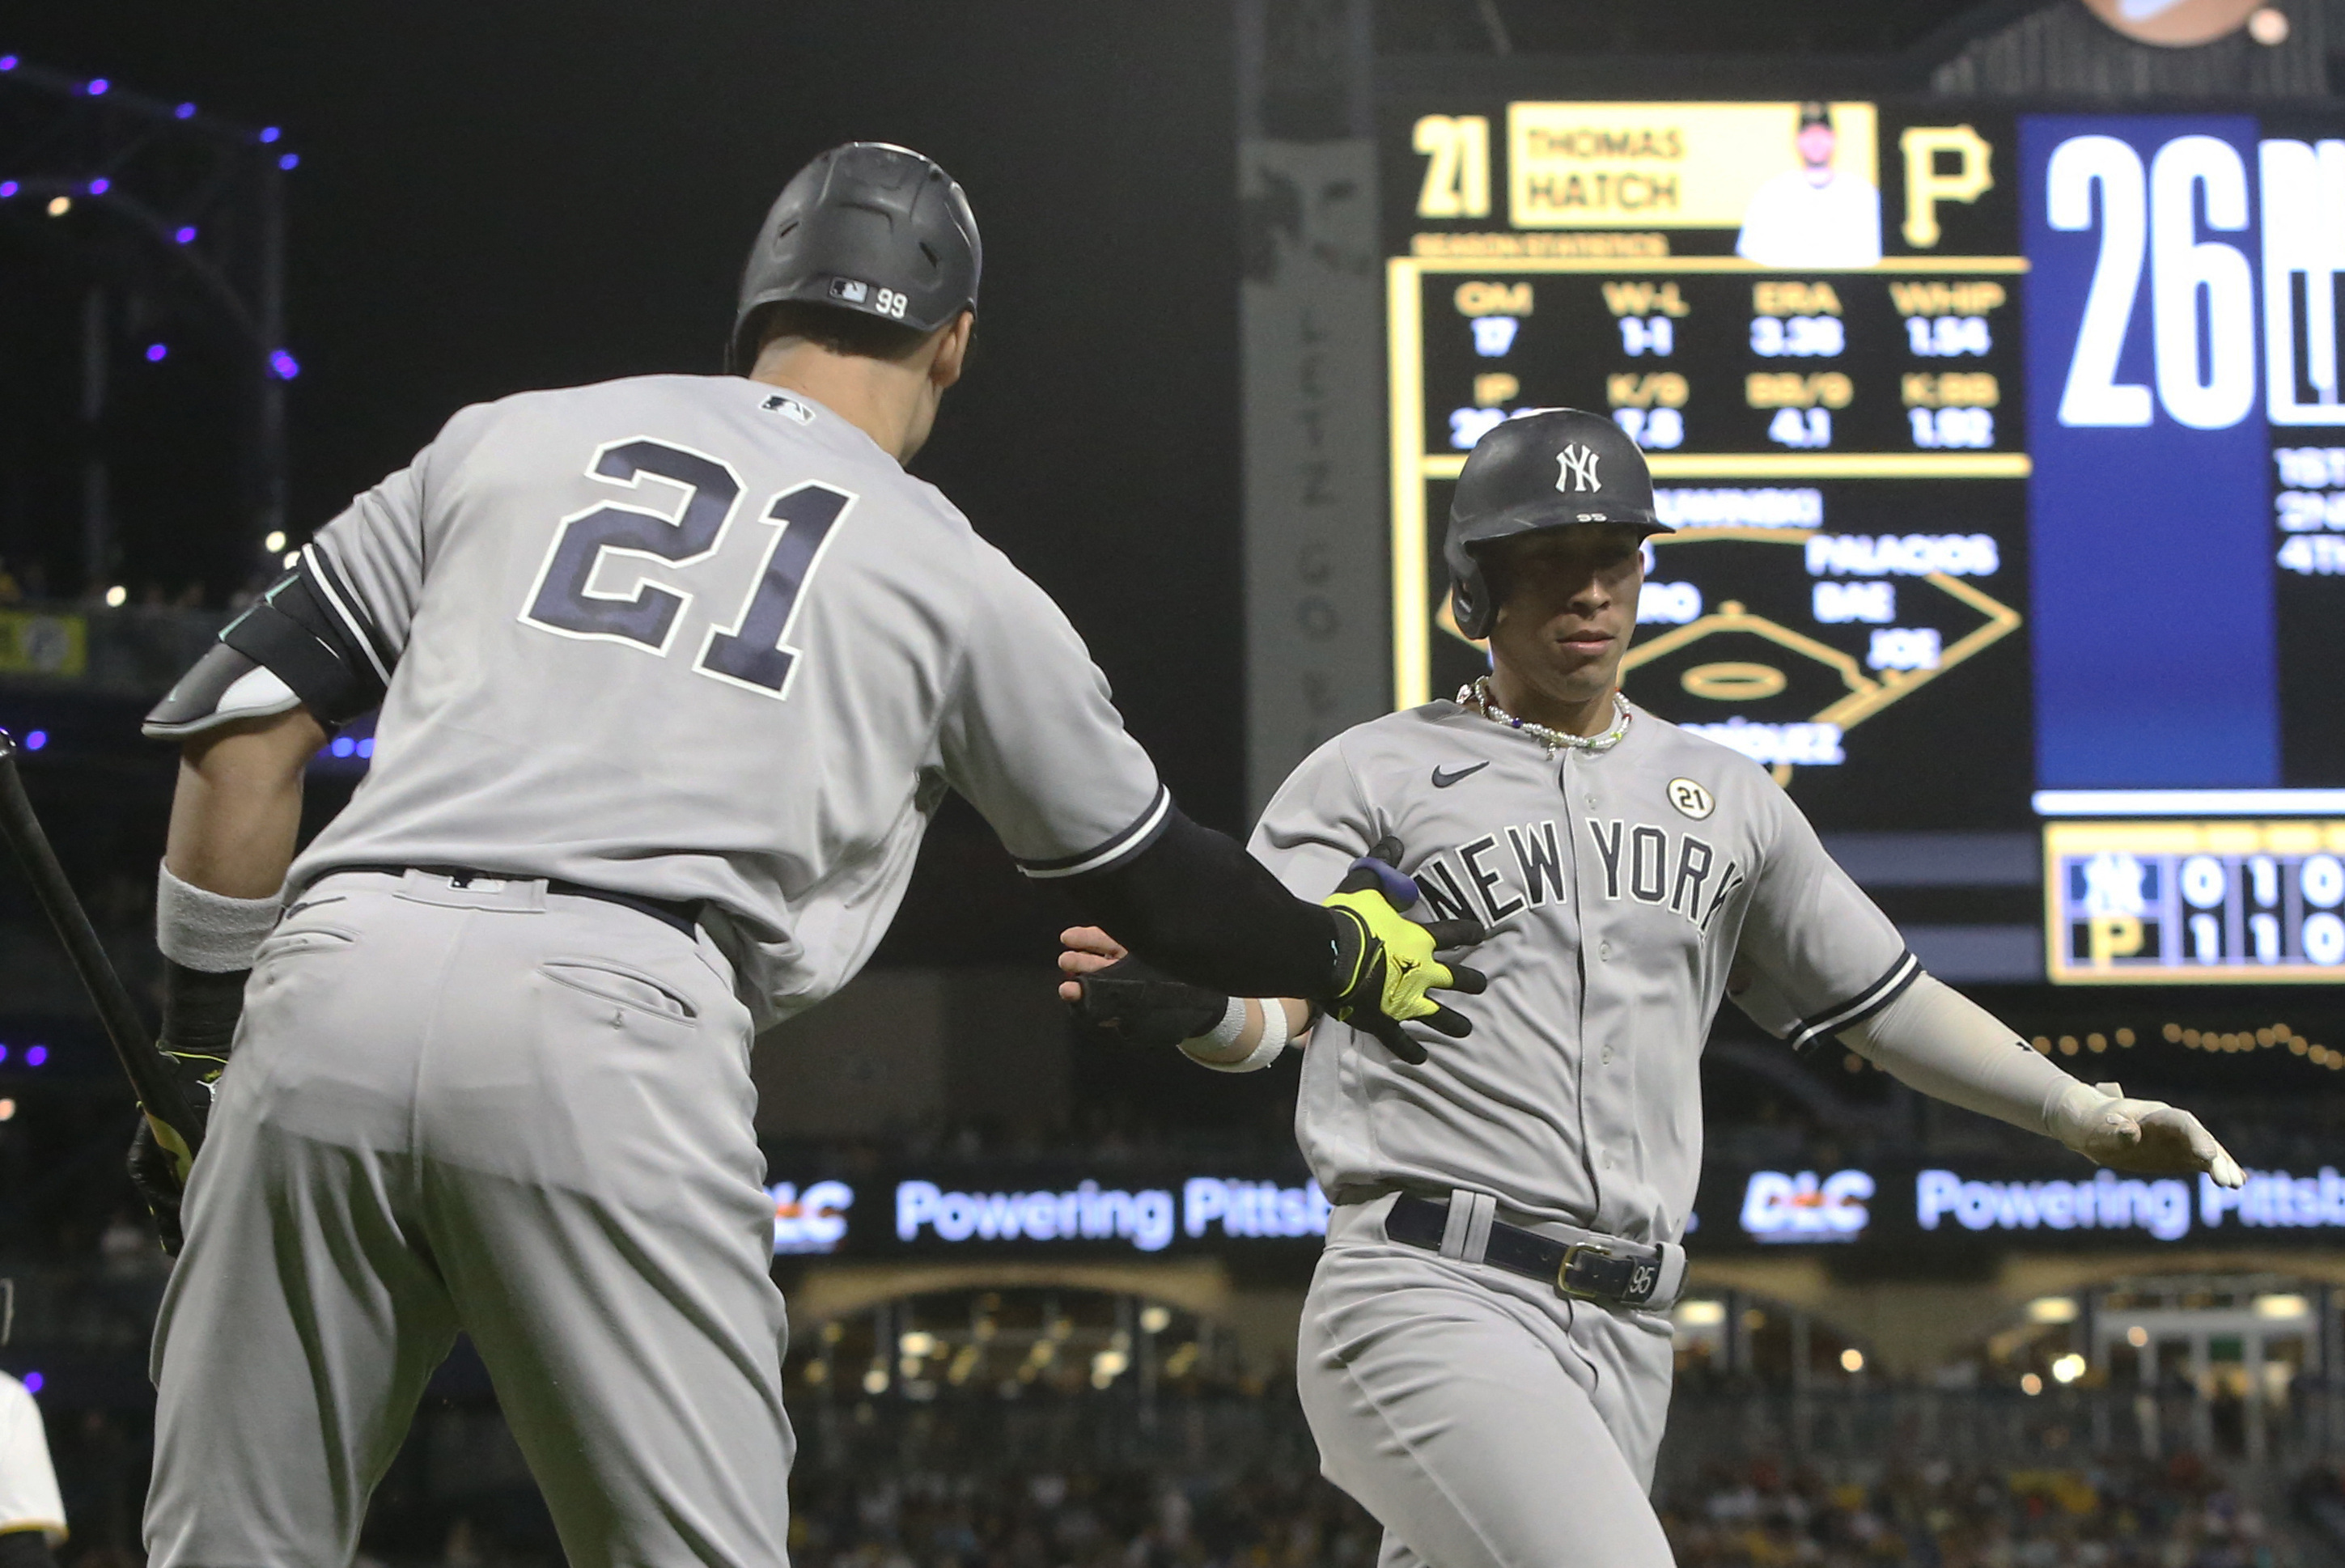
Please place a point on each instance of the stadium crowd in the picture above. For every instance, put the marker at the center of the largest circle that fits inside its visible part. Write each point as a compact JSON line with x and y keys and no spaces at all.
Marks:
{"x":1755,"y":1514}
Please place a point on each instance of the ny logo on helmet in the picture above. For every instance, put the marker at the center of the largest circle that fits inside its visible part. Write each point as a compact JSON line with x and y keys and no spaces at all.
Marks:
{"x":1576,"y":467}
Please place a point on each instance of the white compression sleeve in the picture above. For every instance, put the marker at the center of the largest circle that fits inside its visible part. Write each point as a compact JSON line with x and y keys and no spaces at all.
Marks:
{"x":209,"y":931}
{"x":1950,"y":1049}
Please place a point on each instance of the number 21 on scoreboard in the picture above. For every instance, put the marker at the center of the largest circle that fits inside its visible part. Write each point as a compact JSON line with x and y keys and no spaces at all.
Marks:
{"x":1457,"y":150}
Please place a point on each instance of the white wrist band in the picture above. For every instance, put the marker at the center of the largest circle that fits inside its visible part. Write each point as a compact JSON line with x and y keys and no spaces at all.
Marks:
{"x":1274,"y":1037}
{"x":209,"y":931}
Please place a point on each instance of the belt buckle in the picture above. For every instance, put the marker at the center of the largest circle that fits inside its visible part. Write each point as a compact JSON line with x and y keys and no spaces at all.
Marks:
{"x":1563,"y":1285}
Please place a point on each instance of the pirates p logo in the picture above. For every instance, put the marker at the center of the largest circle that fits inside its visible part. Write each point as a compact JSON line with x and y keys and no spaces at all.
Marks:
{"x":1576,"y":467}
{"x":1691,"y":798}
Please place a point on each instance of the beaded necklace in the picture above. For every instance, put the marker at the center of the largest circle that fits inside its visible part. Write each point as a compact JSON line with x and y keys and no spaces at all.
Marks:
{"x":1476,"y":696}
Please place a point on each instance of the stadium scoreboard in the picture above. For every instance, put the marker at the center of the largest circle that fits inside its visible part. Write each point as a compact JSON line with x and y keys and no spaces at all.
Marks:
{"x":2005,"y":453}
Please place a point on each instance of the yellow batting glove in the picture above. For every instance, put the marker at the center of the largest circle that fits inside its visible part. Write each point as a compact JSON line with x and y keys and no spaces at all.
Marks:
{"x":1384,"y":964}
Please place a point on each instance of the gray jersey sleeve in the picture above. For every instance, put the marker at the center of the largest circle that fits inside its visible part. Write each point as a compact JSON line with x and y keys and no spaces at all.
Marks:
{"x":1816,"y":954}
{"x":367,"y":564}
{"x":1318,"y":823}
{"x":1031,"y":737}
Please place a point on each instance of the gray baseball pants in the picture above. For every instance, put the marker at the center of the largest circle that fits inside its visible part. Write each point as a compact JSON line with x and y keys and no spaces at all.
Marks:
{"x":1485,"y":1420}
{"x":486,"y":1108}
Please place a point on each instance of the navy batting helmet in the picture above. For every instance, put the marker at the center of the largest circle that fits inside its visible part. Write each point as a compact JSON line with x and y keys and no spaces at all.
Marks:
{"x":868,"y":228}
{"x":1547,"y":467}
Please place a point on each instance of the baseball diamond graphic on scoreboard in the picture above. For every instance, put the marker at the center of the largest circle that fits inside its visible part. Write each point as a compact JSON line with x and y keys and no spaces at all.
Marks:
{"x":1783,"y":672}
{"x":1777,"y":642}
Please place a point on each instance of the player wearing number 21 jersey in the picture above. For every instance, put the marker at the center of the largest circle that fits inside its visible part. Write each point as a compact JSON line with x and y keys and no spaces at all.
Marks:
{"x":672,"y":673}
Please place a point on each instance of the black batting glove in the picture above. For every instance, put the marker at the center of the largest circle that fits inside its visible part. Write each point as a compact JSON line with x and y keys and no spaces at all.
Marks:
{"x":200,"y":1017}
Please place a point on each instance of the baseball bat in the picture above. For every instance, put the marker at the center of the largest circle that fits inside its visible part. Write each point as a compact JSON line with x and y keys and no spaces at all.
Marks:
{"x":152,"y":1078}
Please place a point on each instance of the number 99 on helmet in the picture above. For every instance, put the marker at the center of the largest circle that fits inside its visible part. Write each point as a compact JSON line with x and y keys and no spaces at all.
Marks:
{"x":868,"y":228}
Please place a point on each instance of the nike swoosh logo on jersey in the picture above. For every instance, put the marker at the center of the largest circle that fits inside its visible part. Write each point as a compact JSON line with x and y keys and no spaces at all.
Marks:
{"x":1444,"y":779}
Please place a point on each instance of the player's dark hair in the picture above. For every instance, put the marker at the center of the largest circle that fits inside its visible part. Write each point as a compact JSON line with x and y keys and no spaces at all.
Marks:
{"x":840,"y":331}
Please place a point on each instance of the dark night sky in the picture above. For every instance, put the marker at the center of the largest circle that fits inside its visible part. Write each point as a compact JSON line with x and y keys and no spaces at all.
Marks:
{"x":495,"y":197}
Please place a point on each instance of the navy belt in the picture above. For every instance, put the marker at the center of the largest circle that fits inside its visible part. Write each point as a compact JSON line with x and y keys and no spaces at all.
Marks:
{"x":1598,"y":1269}
{"x":676,"y":914}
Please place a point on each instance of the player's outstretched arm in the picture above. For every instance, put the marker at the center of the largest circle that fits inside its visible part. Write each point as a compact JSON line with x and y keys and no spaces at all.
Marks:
{"x":235,"y":818}
{"x":1948,"y":1046}
{"x":1197,"y":906}
{"x":1112,"y":990}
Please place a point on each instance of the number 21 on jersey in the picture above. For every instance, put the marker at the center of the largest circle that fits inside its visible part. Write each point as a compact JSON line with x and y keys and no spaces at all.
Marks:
{"x":753,"y":652}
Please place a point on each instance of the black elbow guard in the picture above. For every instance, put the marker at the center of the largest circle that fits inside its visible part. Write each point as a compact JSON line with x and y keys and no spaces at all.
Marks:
{"x":299,"y":643}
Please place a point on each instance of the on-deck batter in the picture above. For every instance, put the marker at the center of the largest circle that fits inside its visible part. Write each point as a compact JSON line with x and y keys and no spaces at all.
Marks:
{"x":1484,"y":1356}
{"x":673,"y":671}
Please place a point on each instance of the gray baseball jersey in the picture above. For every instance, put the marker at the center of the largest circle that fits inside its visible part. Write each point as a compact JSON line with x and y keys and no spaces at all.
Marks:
{"x":697,"y":639}
{"x":1620,"y":888}
{"x":1455,"y":1399}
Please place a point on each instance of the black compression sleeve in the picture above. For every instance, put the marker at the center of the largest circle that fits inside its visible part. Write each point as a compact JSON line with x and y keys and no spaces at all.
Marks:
{"x":25,"y":1549}
{"x":1199,"y":907}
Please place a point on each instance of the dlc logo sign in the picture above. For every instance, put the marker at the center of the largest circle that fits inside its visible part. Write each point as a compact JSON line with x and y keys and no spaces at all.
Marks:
{"x":1777,"y":1208}
{"x":814,"y":1220}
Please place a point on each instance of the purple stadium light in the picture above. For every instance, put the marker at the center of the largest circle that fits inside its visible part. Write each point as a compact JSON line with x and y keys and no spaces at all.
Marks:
{"x":343,"y":745}
{"x":8,"y":62}
{"x":34,"y":740}
{"x":155,"y":352}
{"x":269,"y":133}
{"x":97,"y":87}
{"x":284,"y":365}
{"x":3,"y":1053}
{"x":290,"y":161}
{"x":184,"y":111}
{"x":7,"y":187}
{"x":185,"y":234}
{"x":37,"y":1056}
{"x":33,"y":1382}
{"x":100,"y":187}
{"x":366,"y":747}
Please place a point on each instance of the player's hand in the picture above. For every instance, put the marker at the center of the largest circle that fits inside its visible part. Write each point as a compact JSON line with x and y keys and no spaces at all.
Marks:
{"x":1087,"y":950}
{"x":2142,"y":1136}
{"x":160,"y":1159}
{"x":1113,"y":991}
{"x":1385,"y":961}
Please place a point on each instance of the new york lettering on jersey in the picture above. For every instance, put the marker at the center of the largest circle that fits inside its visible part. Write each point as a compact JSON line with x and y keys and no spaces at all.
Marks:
{"x":1621,"y":888}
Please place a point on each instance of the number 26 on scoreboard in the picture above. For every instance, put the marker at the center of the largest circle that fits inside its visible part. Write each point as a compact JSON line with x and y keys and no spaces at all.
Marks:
{"x":2202,"y":291}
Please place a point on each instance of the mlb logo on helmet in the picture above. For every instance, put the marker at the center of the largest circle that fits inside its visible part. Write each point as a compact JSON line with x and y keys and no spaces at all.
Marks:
{"x":853,"y":290}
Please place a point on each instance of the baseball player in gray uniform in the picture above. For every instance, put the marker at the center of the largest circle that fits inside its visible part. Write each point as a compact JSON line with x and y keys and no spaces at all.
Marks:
{"x":1484,"y":1355}
{"x":672,"y":671}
